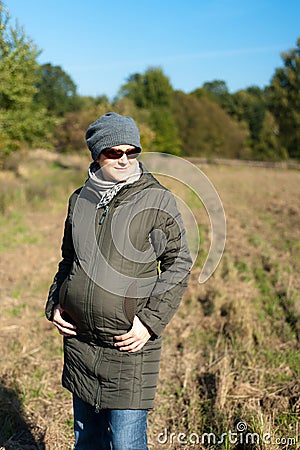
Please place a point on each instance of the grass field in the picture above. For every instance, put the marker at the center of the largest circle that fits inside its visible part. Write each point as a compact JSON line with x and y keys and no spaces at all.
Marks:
{"x":230,"y":365}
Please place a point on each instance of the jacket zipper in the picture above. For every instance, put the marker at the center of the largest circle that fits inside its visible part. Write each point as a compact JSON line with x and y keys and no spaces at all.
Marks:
{"x":89,"y":291}
{"x":97,"y":406}
{"x":98,"y":392}
{"x":102,"y":218}
{"x":90,"y":283}
{"x":99,"y":235}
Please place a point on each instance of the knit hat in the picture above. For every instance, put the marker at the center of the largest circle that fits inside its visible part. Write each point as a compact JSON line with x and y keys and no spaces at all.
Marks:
{"x":109,"y":130}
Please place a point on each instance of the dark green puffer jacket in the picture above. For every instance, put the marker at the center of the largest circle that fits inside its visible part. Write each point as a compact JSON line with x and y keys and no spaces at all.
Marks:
{"x":102,"y":285}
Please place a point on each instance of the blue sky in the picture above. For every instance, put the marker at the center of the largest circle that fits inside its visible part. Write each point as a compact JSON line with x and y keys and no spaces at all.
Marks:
{"x":101,"y":43}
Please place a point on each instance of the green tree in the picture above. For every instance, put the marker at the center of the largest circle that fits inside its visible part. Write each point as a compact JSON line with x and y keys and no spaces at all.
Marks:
{"x":56,"y":91}
{"x":21,"y":120}
{"x":151,"y":89}
{"x":268,"y":147}
{"x":283,"y":96}
{"x":127,"y":107}
{"x":249,"y":106}
{"x":216,"y":91}
{"x":167,"y":140}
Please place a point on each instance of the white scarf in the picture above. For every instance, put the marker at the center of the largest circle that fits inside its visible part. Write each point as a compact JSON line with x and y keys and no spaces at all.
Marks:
{"x":108,"y":189}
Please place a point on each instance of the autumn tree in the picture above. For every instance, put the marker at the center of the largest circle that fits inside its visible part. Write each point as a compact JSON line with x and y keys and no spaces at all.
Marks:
{"x":205,"y":129}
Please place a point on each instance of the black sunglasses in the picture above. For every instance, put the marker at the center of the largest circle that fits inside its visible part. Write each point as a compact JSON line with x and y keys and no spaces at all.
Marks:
{"x":114,"y":153}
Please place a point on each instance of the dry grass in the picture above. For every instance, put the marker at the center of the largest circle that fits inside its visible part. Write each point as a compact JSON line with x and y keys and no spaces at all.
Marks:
{"x":230,"y":354}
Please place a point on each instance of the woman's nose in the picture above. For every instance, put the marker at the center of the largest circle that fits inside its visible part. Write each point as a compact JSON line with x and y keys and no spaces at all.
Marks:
{"x":123,"y":158}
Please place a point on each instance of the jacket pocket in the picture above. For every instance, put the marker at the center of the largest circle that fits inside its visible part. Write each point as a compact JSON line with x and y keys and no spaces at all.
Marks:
{"x":63,"y":292}
{"x":130,"y":302}
{"x":130,"y":308}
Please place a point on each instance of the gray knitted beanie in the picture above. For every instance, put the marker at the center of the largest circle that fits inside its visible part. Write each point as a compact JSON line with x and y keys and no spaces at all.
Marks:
{"x":109,"y":130}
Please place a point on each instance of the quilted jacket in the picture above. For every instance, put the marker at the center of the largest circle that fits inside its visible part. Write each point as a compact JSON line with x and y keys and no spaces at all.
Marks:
{"x":128,"y":258}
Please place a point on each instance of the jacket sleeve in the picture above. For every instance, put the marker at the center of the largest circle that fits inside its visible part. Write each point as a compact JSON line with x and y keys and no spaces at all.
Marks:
{"x":65,"y":264}
{"x":174,"y":264}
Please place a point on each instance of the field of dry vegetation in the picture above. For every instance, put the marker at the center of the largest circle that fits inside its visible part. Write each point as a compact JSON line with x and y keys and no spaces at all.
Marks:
{"x":231,"y":355}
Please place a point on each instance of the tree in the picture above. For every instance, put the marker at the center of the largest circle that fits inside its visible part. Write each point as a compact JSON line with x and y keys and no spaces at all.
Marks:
{"x":21,"y":120}
{"x":127,"y":107}
{"x":268,"y":147}
{"x":283,"y":96}
{"x":151,"y":89}
{"x":249,"y":106}
{"x":216,"y":91}
{"x":56,"y":91}
{"x":205,"y":129}
{"x":167,"y":139}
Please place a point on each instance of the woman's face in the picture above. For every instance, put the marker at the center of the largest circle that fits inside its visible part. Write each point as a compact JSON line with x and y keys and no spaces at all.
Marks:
{"x":119,"y":169}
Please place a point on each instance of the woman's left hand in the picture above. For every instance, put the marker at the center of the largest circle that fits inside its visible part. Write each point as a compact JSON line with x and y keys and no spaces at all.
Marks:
{"x":135,"y":339}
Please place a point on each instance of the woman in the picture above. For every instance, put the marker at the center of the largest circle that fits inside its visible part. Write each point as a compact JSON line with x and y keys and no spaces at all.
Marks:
{"x":125,"y":266}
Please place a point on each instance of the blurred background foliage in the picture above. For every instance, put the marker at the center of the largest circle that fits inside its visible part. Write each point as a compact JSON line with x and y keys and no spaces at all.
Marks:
{"x":40,"y":108}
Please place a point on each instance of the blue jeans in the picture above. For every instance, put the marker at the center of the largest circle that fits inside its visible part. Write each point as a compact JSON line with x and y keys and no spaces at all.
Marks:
{"x":109,"y":429}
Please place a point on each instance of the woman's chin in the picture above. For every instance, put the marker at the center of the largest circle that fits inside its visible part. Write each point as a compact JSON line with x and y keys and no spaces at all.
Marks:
{"x":120,"y":174}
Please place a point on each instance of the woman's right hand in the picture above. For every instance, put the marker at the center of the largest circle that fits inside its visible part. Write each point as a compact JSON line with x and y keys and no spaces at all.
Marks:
{"x":65,"y":328}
